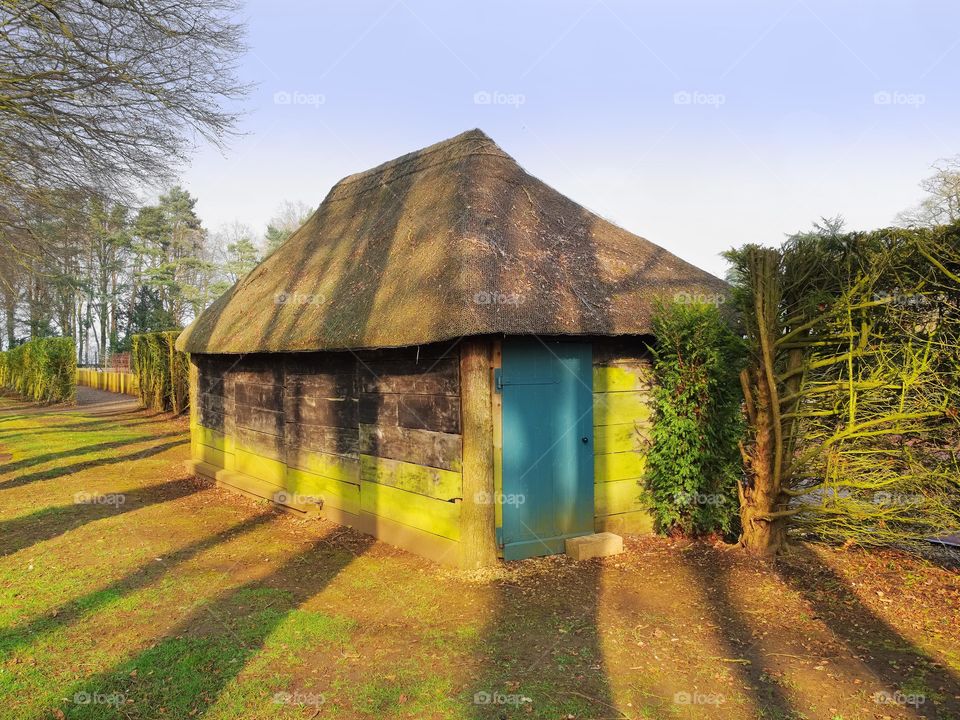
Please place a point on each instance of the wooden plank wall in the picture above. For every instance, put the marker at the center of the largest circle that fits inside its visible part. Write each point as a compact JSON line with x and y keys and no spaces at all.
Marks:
{"x":622,"y":377}
{"x":213,"y":429}
{"x":410,"y":445}
{"x":321,"y":431}
{"x":373,"y":438}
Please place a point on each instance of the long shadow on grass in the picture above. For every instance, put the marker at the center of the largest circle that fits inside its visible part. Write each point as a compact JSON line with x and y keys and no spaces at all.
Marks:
{"x":75,"y":610}
{"x":712,"y":570}
{"x":540,"y":652}
{"x":900,"y":664}
{"x":51,"y":522}
{"x":186,"y":671}
{"x":89,"y":426}
{"x":87,"y":464}
{"x":83,"y":421}
{"x":84,"y":450}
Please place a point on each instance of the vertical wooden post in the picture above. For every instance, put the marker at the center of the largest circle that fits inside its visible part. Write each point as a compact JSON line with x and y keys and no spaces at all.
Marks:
{"x":477,"y":525}
{"x":194,"y":406}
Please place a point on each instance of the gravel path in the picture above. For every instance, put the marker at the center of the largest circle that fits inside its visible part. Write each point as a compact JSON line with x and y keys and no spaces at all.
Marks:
{"x":95,"y":402}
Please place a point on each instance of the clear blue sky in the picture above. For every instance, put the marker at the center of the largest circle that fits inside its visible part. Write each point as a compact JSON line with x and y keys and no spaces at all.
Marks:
{"x":699,"y":125}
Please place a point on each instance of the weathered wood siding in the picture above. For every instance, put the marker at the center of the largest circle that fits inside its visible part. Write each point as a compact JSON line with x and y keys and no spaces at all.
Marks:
{"x":212,"y":437}
{"x":321,"y":431}
{"x":368,"y":439}
{"x":622,"y":377}
{"x":410,"y":447}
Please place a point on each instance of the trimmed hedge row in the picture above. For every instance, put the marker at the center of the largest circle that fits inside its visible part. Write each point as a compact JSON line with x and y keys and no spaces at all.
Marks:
{"x":44,"y":370}
{"x":162,"y":372}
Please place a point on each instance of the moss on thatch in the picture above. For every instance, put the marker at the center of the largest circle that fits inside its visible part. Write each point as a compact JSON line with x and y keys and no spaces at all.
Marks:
{"x":452,"y":240}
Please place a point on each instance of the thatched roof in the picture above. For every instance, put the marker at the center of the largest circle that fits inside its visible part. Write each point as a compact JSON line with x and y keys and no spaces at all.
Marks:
{"x":452,"y":240}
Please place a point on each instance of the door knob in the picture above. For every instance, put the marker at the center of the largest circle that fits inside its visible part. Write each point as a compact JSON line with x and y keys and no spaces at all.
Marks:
{"x":584,"y":439}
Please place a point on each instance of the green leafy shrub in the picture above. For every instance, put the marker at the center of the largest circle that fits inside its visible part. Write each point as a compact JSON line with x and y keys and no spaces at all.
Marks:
{"x":44,"y":370}
{"x":163,"y":373}
{"x":694,"y":461}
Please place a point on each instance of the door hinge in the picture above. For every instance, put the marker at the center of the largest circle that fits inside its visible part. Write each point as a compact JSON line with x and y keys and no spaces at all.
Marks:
{"x":498,"y":380}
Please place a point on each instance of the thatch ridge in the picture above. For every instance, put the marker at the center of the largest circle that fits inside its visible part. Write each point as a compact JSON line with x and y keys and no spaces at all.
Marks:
{"x":452,"y":240}
{"x":472,"y":142}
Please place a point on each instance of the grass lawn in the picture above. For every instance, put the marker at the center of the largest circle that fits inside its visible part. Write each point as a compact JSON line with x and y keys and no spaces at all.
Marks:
{"x":130,"y":590}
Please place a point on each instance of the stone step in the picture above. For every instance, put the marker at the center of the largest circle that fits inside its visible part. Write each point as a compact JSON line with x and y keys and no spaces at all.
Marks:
{"x":597,"y":545}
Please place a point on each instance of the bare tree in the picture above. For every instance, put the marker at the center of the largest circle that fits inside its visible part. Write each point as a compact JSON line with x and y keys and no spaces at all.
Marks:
{"x":942,"y":204}
{"x":98,"y":95}
{"x":235,"y":253}
{"x":287,"y":220}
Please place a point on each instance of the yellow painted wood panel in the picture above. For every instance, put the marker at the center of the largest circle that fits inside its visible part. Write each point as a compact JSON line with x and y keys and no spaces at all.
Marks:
{"x":250,"y":484}
{"x":638,"y":522}
{"x":618,"y":466}
{"x":616,"y":408}
{"x":618,"y":378}
{"x":212,"y":438}
{"x":418,"y":511}
{"x":208,"y":455}
{"x":259,"y":467}
{"x":331,"y":466}
{"x":624,"y":437}
{"x":339,"y":494}
{"x":430,"y":481}
{"x":617,"y":497}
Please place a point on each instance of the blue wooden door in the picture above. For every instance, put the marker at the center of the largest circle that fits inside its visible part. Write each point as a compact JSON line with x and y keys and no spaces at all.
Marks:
{"x":547,"y":445}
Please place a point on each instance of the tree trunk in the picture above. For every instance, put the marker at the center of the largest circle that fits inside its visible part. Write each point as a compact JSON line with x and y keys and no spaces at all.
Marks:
{"x":762,"y":537}
{"x":763,"y":505}
{"x":104,"y":307}
{"x":760,"y":498}
{"x":134,"y":289}
{"x":11,"y":320}
{"x":77,"y":324}
{"x":87,"y":324}
{"x":113,"y":311}
{"x":477,"y":519}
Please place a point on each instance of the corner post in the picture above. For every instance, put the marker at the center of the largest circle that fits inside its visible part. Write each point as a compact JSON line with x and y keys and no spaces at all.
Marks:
{"x":477,"y":518}
{"x":194,"y":400}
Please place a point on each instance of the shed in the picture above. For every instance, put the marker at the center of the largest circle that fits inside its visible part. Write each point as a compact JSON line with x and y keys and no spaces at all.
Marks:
{"x":449,"y":355}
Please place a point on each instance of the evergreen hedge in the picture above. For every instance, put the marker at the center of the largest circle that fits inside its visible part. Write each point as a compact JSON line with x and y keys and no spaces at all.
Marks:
{"x":44,"y":370}
{"x":694,"y":461}
{"x":163,"y":373}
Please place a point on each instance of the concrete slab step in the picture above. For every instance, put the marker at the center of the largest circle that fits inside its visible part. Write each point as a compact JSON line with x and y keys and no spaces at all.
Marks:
{"x":597,"y":545}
